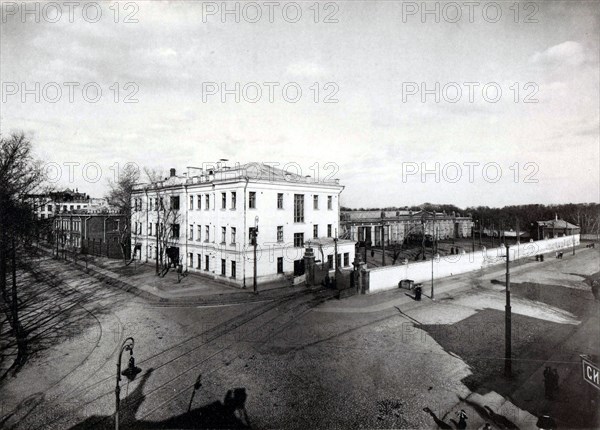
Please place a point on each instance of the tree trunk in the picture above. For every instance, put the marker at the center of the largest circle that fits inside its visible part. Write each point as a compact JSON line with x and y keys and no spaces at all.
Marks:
{"x":19,"y":332}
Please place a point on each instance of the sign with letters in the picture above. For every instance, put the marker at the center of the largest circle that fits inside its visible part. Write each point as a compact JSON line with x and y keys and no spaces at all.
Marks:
{"x":591,"y":373}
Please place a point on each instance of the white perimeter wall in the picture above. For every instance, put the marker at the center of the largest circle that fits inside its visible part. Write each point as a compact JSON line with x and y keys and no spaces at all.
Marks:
{"x":387,"y":278}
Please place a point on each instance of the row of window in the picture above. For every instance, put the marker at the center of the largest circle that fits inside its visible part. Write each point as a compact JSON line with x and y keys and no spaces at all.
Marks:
{"x":298,"y":237}
{"x":66,"y":224}
{"x":157,"y":202}
{"x":64,"y":207}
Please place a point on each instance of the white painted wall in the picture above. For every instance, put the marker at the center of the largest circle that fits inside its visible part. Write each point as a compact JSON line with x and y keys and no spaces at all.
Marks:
{"x":387,"y":278}
{"x":242,"y":217}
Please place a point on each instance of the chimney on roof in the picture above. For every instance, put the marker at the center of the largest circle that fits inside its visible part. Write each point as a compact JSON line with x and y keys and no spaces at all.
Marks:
{"x":172,"y":172}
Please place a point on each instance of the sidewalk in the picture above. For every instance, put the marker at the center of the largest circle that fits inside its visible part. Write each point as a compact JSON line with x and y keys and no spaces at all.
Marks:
{"x":193,"y":289}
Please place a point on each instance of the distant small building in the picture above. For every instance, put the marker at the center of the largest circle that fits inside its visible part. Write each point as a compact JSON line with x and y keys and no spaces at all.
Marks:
{"x":554,"y":228}
{"x":66,"y":201}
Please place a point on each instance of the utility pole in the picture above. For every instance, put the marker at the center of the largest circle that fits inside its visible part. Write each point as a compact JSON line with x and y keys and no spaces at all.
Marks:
{"x":335,"y":250}
{"x":423,"y":237}
{"x":157,"y":232}
{"x":382,"y":243}
{"x":473,"y":237}
{"x":507,"y":321}
{"x":255,"y":243}
{"x":433,"y":250}
{"x":480,"y":228}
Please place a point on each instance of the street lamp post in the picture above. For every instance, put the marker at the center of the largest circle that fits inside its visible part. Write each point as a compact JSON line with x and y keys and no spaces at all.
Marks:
{"x":507,"y":322}
{"x":130,"y":373}
{"x":254,"y":242}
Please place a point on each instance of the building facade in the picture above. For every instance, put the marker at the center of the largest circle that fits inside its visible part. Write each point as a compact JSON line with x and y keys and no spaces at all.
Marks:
{"x":541,"y":230}
{"x":65,"y":201}
{"x":89,"y":233}
{"x":205,"y":221}
{"x":401,"y":225}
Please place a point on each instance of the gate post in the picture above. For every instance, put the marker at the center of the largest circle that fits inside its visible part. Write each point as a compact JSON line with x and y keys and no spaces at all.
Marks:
{"x":309,"y":266}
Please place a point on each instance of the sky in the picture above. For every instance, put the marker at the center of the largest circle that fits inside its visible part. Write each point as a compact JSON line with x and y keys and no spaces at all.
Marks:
{"x":405,"y":102}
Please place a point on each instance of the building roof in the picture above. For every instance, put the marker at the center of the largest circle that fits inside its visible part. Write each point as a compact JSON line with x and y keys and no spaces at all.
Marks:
{"x":253,"y":171}
{"x":557,"y":224}
{"x":376,"y":215}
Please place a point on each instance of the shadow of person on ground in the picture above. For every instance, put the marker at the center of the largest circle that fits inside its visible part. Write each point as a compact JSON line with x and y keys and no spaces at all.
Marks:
{"x":501,"y":420}
{"x":441,"y":424}
{"x":229,"y":414}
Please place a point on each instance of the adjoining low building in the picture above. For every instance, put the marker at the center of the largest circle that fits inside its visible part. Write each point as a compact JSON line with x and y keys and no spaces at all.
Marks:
{"x":205,"y":220}
{"x":398,"y":226}
{"x":90,"y":232}
{"x":553,"y":228}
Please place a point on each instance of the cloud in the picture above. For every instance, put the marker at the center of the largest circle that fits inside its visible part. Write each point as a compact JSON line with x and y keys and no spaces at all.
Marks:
{"x":306,"y":69}
{"x":566,"y":53}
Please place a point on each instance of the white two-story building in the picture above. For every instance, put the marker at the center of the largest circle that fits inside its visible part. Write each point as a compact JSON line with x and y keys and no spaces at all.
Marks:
{"x":207,"y":217}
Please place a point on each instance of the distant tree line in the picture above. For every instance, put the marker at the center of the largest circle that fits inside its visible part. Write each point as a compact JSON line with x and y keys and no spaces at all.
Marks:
{"x":585,"y":215}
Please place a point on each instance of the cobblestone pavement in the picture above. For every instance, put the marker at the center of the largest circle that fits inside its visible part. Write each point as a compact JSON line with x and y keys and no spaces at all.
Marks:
{"x":310,"y":361}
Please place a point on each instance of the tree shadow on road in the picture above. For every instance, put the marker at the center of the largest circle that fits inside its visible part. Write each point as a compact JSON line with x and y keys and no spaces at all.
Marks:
{"x":52,"y":312}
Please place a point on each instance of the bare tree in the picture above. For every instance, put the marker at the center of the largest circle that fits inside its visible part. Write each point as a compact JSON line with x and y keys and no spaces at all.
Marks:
{"x":167,"y":216}
{"x":119,"y":196}
{"x":21,"y":176}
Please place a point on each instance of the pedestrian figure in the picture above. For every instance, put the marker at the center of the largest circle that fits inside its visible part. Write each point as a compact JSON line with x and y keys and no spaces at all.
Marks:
{"x":548,"y":383}
{"x":179,"y":273}
{"x":555,"y":378}
{"x":462,"y":419}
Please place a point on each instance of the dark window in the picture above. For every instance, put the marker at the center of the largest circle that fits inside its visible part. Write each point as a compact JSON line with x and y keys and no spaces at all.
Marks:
{"x":233,"y":200}
{"x":315,"y":202}
{"x":206,"y":262}
{"x":252,"y":200}
{"x":223,"y":200}
{"x":329,"y":202}
{"x":316,"y":231}
{"x":191,"y":202}
{"x":199,"y":201}
{"x":207,"y":202}
{"x":223,"y":234}
{"x":330,"y":261}
{"x":346,"y":259}
{"x":279,"y":200}
{"x":338,"y":260}
{"x":279,"y":233}
{"x":298,"y":207}
{"x":279,"y":264}
{"x":199,"y":261}
{"x":223,"y":266}
{"x":298,"y":240}
{"x":175,"y":230}
{"x":251,"y":235}
{"x":207,"y":234}
{"x":233,"y":269}
{"x":175,"y":202}
{"x":328,"y":230}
